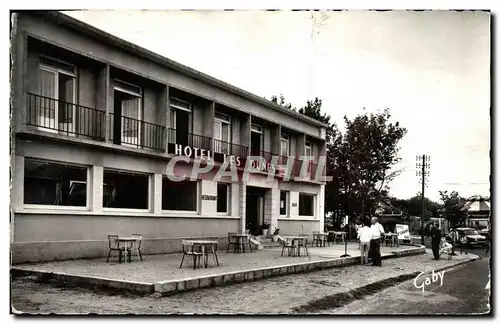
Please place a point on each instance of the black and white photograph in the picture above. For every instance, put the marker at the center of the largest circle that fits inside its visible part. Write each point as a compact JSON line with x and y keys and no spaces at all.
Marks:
{"x":250,"y":162}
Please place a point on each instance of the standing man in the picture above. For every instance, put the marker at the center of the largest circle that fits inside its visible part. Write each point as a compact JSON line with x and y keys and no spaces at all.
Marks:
{"x":377,"y":232}
{"x":436,"y":240}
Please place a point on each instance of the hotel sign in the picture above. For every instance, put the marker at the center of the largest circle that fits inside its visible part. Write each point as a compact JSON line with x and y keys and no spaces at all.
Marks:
{"x":208,"y":155}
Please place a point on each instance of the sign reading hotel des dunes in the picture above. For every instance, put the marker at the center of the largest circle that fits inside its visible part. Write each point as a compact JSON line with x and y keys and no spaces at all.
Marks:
{"x":256,"y":163}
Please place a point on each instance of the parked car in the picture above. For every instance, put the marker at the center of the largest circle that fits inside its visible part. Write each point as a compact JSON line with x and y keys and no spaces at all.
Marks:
{"x":486,"y":233}
{"x":473,"y":237}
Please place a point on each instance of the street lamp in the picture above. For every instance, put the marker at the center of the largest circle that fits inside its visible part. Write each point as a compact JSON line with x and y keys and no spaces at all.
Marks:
{"x":423,"y":165}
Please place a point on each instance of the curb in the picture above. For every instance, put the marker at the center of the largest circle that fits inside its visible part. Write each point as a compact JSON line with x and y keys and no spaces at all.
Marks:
{"x":169,"y":287}
{"x":341,"y":299}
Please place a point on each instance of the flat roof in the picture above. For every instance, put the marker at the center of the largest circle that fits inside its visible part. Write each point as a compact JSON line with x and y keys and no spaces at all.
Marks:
{"x":89,"y":30}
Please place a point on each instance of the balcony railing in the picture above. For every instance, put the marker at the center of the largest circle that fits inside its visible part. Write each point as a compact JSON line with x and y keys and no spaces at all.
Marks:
{"x":184,"y":139}
{"x":137,"y":133}
{"x":227,"y":148}
{"x":61,"y":117}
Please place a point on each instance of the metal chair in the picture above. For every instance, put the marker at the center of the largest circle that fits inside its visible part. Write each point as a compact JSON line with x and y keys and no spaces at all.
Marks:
{"x":196,"y":255}
{"x":302,"y":243}
{"x":138,"y":242}
{"x":288,"y":244}
{"x":316,"y":239}
{"x":233,"y":240}
{"x":114,"y":245}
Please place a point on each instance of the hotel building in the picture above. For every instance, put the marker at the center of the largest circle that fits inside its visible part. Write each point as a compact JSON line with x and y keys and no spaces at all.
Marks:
{"x":95,"y":121}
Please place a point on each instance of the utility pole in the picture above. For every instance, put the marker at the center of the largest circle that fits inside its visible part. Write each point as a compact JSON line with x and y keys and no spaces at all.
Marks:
{"x":423,"y":163}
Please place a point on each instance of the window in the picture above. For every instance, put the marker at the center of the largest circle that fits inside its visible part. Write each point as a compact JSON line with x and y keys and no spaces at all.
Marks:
{"x":222,"y":197}
{"x":306,"y":205}
{"x":181,"y":195}
{"x":284,"y":202}
{"x":180,"y":121}
{"x":56,"y":184}
{"x":56,"y":107}
{"x":125,"y":190}
{"x":256,"y":140}
{"x":222,"y":133}
{"x":308,"y":151}
{"x":285,"y":145}
{"x":127,"y":98}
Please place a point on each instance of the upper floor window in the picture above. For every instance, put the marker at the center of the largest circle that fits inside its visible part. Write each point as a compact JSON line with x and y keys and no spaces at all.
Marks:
{"x":256,"y":140}
{"x":308,"y":151}
{"x":55,"y":109}
{"x":180,"y":121}
{"x":222,"y":133}
{"x":285,"y":145}
{"x":127,"y":112}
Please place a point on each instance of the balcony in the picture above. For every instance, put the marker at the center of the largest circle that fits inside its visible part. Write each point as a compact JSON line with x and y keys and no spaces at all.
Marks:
{"x":65,"y":118}
{"x":136,"y":133}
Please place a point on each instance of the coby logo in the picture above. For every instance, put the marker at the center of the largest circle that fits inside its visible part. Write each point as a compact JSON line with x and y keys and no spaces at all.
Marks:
{"x":428,"y":280}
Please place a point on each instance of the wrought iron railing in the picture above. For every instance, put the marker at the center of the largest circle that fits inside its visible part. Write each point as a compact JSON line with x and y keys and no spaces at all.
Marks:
{"x":183,"y":138}
{"x":228,"y":148}
{"x":135,"y":132}
{"x":65,"y":118}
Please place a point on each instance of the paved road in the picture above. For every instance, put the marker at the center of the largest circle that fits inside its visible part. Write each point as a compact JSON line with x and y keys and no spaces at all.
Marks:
{"x":463,"y":292}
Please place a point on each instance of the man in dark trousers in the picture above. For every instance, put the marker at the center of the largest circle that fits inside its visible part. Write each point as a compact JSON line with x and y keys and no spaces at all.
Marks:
{"x":436,"y":240}
{"x":377,"y":232}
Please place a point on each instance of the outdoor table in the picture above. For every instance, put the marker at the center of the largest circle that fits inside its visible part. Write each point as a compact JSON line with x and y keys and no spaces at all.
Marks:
{"x":131,"y":240}
{"x":393,"y":237}
{"x":321,"y":237}
{"x":203,"y":244}
{"x":338,"y":234}
{"x":241,"y":241}
{"x":294,"y":239}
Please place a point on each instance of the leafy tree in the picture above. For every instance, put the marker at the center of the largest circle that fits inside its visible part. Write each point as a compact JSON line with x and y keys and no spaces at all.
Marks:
{"x":371,"y":144}
{"x":452,"y":207}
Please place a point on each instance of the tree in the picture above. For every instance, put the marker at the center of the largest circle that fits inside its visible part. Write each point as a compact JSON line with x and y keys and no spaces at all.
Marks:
{"x":282,"y":102}
{"x":452,"y":207}
{"x":371,"y":144}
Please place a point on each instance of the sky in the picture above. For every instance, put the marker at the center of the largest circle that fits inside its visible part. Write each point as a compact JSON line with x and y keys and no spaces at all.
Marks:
{"x":431,"y":69}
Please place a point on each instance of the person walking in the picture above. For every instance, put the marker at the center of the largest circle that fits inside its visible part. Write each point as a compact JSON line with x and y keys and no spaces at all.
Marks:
{"x":377,"y":231}
{"x":435,"y":240}
{"x":364,"y":237}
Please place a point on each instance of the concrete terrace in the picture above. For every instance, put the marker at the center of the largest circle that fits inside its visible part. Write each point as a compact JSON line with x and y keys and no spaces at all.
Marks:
{"x":161,"y":272}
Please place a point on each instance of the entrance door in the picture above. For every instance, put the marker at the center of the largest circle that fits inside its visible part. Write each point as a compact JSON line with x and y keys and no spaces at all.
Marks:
{"x":254,"y":209}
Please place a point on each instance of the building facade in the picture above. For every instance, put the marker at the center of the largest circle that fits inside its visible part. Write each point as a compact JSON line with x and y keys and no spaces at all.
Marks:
{"x":95,"y":123}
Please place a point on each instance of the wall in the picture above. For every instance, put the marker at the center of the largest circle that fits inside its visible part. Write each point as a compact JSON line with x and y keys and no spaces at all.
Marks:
{"x":102,"y":52}
{"x":287,"y":226}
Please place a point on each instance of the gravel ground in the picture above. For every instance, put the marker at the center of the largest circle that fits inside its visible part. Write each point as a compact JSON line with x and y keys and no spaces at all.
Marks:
{"x":277,"y":295}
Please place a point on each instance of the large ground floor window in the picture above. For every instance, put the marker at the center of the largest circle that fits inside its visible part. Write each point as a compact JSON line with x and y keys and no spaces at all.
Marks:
{"x":222,"y":197}
{"x":306,"y":205}
{"x":56,"y":184}
{"x":125,"y":190}
{"x":181,"y":195}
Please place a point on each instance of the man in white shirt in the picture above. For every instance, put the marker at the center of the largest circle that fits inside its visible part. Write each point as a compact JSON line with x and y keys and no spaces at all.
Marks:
{"x":377,"y":232}
{"x":364,"y":236}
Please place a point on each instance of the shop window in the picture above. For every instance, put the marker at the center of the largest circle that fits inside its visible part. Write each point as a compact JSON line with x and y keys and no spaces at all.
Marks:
{"x":284,"y":196}
{"x":125,"y":190}
{"x":54,"y":184}
{"x":306,"y":205}
{"x":181,"y":195}
{"x":222,"y":198}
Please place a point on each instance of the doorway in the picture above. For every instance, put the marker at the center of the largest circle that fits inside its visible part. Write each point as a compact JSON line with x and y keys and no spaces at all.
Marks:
{"x":254,"y":214}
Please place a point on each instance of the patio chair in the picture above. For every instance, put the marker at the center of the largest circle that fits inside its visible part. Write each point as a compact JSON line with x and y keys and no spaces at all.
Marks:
{"x":138,"y":242}
{"x":316,"y":239}
{"x":302,"y":244}
{"x":114,"y":245}
{"x":388,"y":241}
{"x":188,"y":249}
{"x":287,"y":244}
{"x":233,"y":240}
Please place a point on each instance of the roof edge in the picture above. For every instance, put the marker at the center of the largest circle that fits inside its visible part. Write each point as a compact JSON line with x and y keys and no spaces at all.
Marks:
{"x":82,"y":27}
